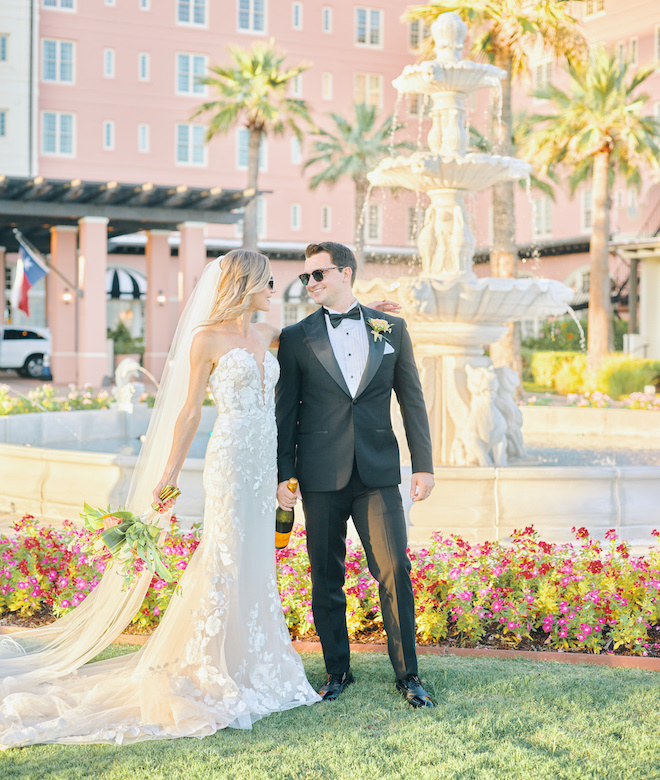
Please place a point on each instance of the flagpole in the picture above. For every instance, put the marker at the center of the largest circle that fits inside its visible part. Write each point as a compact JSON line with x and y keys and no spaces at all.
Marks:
{"x":27,"y":245}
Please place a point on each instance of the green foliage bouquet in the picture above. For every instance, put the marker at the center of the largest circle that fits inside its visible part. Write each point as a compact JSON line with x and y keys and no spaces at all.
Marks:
{"x":125,"y":540}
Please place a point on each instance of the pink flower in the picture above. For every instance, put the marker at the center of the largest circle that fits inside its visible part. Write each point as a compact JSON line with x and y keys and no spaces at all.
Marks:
{"x":65,"y":603}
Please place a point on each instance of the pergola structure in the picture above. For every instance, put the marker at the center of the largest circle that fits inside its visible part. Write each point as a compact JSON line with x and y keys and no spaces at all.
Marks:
{"x":71,"y":220}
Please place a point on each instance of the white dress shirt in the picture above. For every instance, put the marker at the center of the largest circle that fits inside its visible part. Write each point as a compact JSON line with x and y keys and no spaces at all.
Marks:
{"x":350,"y":343}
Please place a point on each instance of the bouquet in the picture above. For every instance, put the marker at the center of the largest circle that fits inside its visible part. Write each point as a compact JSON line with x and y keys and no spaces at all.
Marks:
{"x":127,"y":540}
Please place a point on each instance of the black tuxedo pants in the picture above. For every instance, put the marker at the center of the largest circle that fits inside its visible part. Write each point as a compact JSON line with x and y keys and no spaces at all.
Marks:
{"x":379,"y":520}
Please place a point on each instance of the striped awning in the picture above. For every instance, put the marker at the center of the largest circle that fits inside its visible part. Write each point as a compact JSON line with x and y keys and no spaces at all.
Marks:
{"x":124,"y":284}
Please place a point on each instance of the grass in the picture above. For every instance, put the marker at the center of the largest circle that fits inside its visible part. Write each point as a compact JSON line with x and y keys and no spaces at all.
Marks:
{"x":495,"y":719}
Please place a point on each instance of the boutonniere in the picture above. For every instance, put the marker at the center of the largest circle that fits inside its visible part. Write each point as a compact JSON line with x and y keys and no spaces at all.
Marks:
{"x":378,"y":328}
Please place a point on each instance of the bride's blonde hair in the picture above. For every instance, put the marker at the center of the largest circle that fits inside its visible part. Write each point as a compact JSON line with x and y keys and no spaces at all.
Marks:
{"x":243,"y":273}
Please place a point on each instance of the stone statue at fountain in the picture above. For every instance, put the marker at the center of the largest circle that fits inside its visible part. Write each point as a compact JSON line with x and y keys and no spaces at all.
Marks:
{"x":452,"y":314}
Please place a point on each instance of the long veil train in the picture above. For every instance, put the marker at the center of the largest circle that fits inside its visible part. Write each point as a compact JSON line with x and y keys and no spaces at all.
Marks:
{"x":48,"y":653}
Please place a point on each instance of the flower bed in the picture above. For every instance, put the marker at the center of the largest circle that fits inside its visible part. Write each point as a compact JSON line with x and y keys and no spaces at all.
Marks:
{"x":44,"y":399}
{"x":576,"y":597}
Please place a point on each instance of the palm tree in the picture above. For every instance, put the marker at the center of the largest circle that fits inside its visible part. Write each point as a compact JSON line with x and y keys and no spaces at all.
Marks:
{"x":505,"y":32}
{"x":597,"y":129}
{"x":355,"y":149}
{"x":252,"y":90}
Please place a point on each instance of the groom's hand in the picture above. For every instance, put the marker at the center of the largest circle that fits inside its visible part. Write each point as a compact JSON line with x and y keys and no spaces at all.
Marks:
{"x":285,"y":498}
{"x":421,"y":485}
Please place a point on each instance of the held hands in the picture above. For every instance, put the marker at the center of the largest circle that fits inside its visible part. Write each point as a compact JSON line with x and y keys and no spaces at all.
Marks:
{"x":166,"y":505}
{"x":421,"y":486}
{"x":285,"y":498}
{"x":385,"y":306}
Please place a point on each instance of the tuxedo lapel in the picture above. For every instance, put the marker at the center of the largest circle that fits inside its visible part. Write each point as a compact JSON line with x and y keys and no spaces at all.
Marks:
{"x":376,"y":350}
{"x":317,"y":338}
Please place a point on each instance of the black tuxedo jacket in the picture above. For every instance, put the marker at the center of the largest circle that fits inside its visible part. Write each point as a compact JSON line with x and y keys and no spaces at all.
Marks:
{"x":322,"y":430}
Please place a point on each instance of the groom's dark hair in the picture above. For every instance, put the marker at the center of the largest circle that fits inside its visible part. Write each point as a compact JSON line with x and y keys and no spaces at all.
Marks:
{"x":341,"y":255}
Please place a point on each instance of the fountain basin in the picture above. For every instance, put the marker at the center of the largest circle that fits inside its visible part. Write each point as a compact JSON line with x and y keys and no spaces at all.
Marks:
{"x":478,"y":503}
{"x":483,"y":301}
{"x":426,"y":171}
{"x":430,"y":77}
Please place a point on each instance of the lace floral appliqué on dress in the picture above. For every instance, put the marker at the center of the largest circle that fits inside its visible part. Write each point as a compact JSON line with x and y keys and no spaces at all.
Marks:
{"x":221,"y":655}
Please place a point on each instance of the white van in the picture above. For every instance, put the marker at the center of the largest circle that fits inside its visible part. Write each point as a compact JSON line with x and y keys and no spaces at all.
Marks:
{"x":26,"y":350}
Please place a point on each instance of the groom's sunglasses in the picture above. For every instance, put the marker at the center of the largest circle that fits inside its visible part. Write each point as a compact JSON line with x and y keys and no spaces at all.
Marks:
{"x":318,"y":274}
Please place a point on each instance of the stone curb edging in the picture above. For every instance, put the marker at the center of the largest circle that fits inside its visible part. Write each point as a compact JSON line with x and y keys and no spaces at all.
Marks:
{"x":620,"y":661}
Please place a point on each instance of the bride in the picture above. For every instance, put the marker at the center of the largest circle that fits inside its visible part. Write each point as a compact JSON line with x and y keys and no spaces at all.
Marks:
{"x":222,"y":655}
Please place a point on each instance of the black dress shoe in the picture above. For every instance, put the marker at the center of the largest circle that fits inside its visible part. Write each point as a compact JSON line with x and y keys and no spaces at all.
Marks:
{"x":335,"y":684}
{"x":412,"y":690}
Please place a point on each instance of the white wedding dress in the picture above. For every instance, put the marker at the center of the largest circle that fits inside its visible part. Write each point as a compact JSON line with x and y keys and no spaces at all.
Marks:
{"x":222,"y":655}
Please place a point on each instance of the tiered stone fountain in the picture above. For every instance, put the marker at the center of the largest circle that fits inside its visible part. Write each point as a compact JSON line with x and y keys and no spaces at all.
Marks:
{"x":453,"y":314}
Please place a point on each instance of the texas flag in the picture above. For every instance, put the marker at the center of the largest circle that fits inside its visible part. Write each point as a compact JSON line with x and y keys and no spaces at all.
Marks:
{"x":29,"y":269}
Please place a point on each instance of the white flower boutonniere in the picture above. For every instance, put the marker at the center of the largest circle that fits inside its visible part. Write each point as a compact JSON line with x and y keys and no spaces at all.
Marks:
{"x":378,"y":328}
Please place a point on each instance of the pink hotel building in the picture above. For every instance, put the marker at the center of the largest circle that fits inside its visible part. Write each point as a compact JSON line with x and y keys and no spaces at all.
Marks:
{"x":95,"y":104}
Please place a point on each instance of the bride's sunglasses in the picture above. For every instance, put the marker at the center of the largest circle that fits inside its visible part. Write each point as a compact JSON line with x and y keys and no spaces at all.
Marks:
{"x":271,"y":284}
{"x":318,"y":274}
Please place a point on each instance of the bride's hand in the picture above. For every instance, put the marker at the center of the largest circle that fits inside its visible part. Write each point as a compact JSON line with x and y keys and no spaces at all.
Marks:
{"x":385,"y":306}
{"x":165,"y":505}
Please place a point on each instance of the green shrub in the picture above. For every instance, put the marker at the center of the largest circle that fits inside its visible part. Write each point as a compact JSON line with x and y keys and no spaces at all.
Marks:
{"x":545,"y":365}
{"x":124,"y":343}
{"x":563,"y":335}
{"x":572,"y":375}
{"x":621,"y":375}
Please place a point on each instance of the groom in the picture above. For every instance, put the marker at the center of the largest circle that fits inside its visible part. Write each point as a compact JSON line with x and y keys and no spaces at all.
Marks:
{"x":335,"y":435}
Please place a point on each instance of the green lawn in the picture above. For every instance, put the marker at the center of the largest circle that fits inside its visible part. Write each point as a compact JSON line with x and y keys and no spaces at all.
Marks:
{"x":495,"y":719}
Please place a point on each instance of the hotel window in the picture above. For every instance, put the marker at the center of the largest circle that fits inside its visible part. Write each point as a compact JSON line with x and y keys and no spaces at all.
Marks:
{"x":326,"y":86}
{"x":297,"y":16}
{"x":657,"y":42}
{"x":326,"y":19}
{"x":542,"y":74}
{"x":143,"y":138}
{"x":109,"y":63}
{"x":190,"y":69}
{"x":110,"y":2}
{"x":57,"y":131}
{"x":62,"y":5}
{"x":57,"y":64}
{"x":369,"y":27}
{"x":295,"y":216}
{"x":542,"y":216}
{"x":372,"y":223}
{"x":190,"y":144}
{"x":296,"y":151}
{"x":4,"y":40}
{"x":243,"y":150}
{"x":620,"y":51}
{"x":296,"y":86}
{"x":109,"y":134}
{"x":632,"y":202}
{"x":587,"y":211}
{"x":252,"y":16}
{"x":368,"y":88}
{"x":191,"y":12}
{"x":593,"y":7}
{"x":143,"y":66}
{"x":657,"y":111}
{"x":634,"y":52}
{"x":417,"y":31}
{"x":144,"y":5}
{"x":326,"y":218}
{"x":3,"y":122}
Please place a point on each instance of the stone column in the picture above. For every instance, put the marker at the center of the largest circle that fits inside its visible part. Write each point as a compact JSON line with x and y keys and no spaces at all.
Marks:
{"x":92,"y":322}
{"x":192,"y":258}
{"x":649,"y":305}
{"x":160,"y":285}
{"x":61,"y":303}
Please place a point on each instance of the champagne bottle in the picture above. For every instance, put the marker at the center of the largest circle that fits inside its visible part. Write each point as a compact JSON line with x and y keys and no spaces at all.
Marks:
{"x":284,"y":520}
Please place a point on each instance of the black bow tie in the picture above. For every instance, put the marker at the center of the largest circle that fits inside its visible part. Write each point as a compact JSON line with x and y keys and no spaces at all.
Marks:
{"x":335,"y":319}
